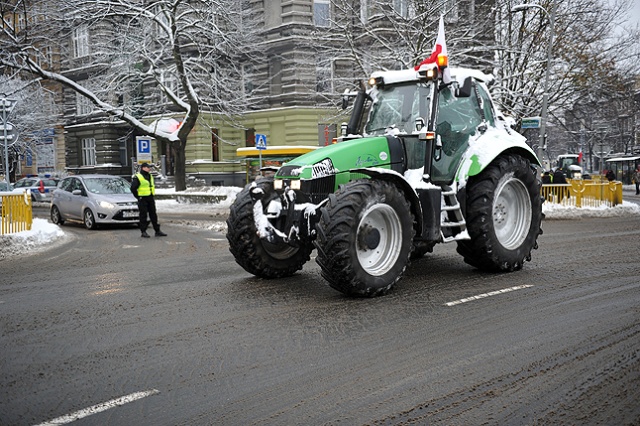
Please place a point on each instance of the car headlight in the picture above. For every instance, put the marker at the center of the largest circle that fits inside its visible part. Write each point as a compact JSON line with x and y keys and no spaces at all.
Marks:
{"x":107,"y":205}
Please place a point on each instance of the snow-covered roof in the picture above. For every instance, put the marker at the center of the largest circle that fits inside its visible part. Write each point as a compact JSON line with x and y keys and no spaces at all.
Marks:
{"x":623,"y":159}
{"x":458,"y":74}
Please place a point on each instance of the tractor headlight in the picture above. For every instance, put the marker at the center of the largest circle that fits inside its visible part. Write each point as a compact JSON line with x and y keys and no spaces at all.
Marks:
{"x":277,"y":184}
{"x":295,"y":185}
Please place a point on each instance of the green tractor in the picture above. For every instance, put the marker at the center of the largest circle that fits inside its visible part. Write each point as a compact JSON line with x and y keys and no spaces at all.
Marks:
{"x":424,"y":159}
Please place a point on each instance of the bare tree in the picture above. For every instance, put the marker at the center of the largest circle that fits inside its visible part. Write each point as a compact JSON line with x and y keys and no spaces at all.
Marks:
{"x":34,"y":115}
{"x":162,"y":58}
{"x":585,"y":60}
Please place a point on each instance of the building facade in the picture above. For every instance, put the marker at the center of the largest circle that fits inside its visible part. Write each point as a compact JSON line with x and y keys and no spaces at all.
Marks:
{"x":312,"y":50}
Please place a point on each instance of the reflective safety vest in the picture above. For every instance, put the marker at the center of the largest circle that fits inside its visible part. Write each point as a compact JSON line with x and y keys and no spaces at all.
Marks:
{"x":146,"y":187}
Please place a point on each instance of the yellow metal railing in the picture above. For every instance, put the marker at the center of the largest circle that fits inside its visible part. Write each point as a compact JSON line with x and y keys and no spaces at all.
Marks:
{"x":584,"y":193}
{"x":17,"y":213}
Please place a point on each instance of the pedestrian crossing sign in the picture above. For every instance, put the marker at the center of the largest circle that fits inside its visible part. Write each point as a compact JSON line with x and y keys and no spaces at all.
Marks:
{"x":261,"y":141}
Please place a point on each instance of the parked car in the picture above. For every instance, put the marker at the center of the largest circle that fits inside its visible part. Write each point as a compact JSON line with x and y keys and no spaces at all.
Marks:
{"x":5,"y":189}
{"x":94,"y":200}
{"x":41,"y":188}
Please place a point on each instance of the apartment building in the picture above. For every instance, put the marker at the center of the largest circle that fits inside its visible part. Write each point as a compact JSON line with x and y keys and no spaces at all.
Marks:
{"x":310,"y":52}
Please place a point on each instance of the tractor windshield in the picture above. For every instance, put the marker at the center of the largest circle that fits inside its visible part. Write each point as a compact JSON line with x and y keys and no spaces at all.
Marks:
{"x":397,"y":107}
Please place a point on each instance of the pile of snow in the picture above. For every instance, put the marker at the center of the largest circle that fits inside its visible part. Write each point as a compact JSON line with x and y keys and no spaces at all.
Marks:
{"x":174,"y":206}
{"x":558,"y":211}
{"x":43,"y":235}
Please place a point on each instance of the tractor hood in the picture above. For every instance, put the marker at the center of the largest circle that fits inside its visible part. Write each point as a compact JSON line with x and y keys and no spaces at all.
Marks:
{"x":340,"y":157}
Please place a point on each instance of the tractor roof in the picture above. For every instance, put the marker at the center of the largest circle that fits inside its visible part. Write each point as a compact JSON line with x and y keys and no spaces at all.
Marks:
{"x":408,"y":75}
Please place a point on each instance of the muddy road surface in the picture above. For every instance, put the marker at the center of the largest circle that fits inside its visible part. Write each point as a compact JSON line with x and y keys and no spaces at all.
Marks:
{"x":112,"y":329}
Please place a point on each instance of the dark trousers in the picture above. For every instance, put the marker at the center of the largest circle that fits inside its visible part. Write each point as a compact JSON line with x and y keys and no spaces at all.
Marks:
{"x":147,"y":205}
{"x":637,"y":188}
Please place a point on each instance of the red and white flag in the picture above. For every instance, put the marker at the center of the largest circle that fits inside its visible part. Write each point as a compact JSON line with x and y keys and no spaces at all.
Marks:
{"x":440,"y":49}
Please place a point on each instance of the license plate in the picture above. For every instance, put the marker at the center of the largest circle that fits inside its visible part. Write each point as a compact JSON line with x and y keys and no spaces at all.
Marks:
{"x":130,"y":214}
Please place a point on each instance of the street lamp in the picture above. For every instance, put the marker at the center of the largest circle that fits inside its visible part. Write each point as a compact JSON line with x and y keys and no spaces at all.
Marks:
{"x":545,"y":96}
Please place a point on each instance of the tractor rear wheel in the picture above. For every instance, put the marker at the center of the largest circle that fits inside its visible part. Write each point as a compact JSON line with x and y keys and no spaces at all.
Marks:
{"x":504,"y":215}
{"x":365,"y":238}
{"x":257,"y":256}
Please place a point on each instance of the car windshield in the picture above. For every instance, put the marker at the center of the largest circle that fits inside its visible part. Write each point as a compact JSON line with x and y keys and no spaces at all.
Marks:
{"x":4,"y":186}
{"x":398,"y":106}
{"x":107,"y":186}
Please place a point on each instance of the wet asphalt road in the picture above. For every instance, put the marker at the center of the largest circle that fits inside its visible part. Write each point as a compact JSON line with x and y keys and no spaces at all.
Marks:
{"x":107,"y":314}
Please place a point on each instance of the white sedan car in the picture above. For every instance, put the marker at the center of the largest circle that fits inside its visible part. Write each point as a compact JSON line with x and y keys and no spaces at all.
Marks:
{"x":94,"y":200}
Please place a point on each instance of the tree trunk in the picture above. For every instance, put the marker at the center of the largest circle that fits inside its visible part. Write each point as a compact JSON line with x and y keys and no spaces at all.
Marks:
{"x":180,"y":166}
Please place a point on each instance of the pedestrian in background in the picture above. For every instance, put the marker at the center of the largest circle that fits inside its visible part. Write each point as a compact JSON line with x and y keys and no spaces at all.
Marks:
{"x":143,"y":189}
{"x":558,"y":177}
{"x":546,"y":178}
{"x":611,"y":176}
{"x":635,"y":178}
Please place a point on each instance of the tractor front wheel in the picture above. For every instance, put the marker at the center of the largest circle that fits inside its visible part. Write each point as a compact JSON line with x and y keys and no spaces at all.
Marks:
{"x":365,"y":238}
{"x":257,"y":256}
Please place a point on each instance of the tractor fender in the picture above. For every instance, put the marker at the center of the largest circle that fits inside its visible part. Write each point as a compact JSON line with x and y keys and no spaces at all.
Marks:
{"x":400,"y":182}
{"x":486,"y":148}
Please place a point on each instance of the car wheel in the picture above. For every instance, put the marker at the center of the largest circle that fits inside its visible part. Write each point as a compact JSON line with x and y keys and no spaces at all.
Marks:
{"x":89,"y":219}
{"x":56,"y":218}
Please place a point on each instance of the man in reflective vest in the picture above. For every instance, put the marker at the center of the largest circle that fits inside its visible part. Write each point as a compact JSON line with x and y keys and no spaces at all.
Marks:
{"x":143,"y":189}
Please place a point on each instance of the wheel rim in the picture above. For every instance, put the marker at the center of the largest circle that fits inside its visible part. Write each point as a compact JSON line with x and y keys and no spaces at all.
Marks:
{"x":88,"y":219}
{"x":55,"y":215}
{"x":511,"y":212}
{"x":279,"y":251}
{"x":378,"y":239}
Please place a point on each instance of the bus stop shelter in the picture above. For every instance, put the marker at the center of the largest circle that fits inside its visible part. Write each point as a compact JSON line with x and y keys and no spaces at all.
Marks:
{"x":272,"y":156}
{"x":623,"y":167}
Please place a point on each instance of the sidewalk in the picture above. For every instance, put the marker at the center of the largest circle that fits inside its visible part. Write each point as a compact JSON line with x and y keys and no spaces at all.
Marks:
{"x":629,"y":194}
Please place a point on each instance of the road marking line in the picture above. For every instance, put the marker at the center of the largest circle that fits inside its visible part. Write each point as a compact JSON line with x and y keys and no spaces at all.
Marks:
{"x":99,"y":408}
{"x":483,"y":295}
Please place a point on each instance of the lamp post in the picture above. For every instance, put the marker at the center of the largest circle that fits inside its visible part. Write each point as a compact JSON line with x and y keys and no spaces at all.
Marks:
{"x":542,"y":146}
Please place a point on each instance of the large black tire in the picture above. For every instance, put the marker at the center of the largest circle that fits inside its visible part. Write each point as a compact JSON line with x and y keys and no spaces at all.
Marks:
{"x":365,"y":238}
{"x":504,"y":215}
{"x":257,"y":256}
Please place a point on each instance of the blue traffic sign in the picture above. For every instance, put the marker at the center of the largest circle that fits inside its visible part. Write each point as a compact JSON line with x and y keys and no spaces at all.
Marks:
{"x":530,"y":123}
{"x":261,"y":141}
{"x":144,"y":146}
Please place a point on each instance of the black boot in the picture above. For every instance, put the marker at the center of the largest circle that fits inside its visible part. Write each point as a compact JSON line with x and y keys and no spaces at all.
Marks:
{"x":159,"y":233}
{"x":144,"y":234}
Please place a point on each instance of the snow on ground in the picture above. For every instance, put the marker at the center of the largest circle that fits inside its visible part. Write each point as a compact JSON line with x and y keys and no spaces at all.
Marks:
{"x":45,"y":235}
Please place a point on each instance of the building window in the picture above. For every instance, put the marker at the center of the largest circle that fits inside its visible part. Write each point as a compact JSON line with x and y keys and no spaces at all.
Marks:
{"x":364,"y":11}
{"x":170,"y":84}
{"x":215,"y":148}
{"x":81,"y":41}
{"x":247,"y":80}
{"x":321,"y":17}
{"x":124,"y":155}
{"x":275,"y":75}
{"x":250,"y":137}
{"x":89,"y":151}
{"x":324,"y":74}
{"x":401,"y":8}
{"x":83,"y":105}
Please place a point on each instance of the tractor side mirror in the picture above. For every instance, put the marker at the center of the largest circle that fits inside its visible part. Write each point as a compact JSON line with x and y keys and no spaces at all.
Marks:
{"x":464,"y":91}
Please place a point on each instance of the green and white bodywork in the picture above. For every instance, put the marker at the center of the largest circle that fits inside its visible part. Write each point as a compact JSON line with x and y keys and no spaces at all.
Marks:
{"x":417,"y":155}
